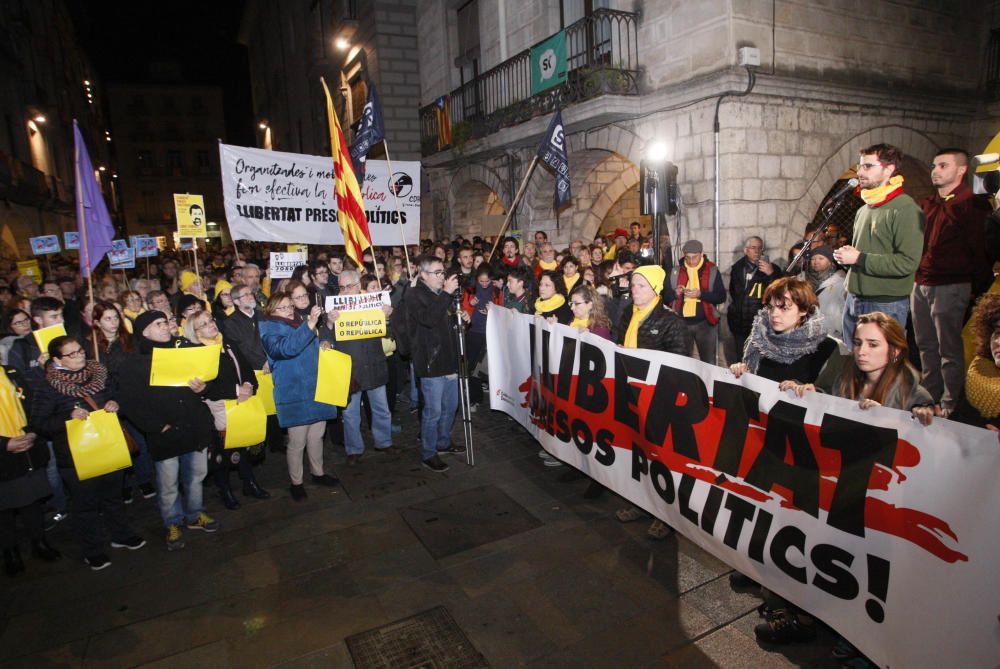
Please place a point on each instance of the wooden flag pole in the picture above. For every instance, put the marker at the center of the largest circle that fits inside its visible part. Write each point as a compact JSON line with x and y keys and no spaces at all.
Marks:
{"x":85,"y":249}
{"x":513,"y":206}
{"x":194,"y":250}
{"x":399,"y":214}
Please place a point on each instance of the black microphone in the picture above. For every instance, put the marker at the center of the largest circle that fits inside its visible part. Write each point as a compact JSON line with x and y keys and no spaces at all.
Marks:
{"x":843,"y":190}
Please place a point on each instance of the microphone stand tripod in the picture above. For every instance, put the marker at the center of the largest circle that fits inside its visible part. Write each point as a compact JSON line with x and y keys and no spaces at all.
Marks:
{"x":818,"y":234}
{"x":463,"y":381}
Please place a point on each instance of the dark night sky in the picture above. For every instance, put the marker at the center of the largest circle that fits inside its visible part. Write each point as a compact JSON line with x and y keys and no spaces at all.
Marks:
{"x":124,"y":38}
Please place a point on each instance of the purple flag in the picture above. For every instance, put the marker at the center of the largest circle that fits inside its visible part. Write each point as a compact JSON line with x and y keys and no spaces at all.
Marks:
{"x":93,"y":221}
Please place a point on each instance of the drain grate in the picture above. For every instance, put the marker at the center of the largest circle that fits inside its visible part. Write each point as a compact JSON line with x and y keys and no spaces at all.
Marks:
{"x":428,"y":640}
{"x":459,"y":522}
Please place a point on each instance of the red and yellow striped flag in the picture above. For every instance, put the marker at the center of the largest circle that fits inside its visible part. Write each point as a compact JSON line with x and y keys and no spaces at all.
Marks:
{"x":350,"y":209}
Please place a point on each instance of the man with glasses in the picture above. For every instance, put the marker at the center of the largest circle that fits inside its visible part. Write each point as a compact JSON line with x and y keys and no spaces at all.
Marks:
{"x":430,"y":312}
{"x":888,"y":239}
{"x":251,"y":277}
{"x":748,"y":279}
{"x":240,"y":328}
{"x":320,"y":288}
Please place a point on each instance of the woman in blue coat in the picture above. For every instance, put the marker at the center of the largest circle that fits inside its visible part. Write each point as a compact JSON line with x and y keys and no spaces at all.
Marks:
{"x":292,"y":346}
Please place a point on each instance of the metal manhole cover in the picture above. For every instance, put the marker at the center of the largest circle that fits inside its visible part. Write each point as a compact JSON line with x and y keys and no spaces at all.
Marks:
{"x":428,"y":640}
{"x":456,"y":523}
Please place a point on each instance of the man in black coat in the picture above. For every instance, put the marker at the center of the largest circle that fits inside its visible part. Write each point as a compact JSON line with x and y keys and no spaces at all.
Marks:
{"x":749,"y":277}
{"x":369,"y":376}
{"x":430,"y":311}
{"x":178,"y":429}
{"x":240,"y":327}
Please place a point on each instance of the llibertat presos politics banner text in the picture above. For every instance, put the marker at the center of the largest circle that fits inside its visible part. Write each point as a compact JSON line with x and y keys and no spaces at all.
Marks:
{"x":886,"y":530}
{"x":272,"y":196}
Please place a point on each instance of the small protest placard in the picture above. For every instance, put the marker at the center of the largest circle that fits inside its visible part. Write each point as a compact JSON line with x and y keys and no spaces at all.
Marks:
{"x":71,"y":240}
{"x":44,"y":245}
{"x":361,"y":316}
{"x":146,"y":247}
{"x":30,"y":268}
{"x":283,"y":264}
{"x":122,"y":258}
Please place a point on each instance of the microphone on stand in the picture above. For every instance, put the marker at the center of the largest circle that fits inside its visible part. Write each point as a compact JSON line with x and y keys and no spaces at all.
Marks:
{"x":843,"y":190}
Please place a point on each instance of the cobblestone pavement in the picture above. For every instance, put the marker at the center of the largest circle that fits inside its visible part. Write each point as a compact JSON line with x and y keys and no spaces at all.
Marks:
{"x":533,"y":573}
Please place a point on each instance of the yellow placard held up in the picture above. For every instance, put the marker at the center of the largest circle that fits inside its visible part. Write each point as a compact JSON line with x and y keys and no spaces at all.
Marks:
{"x":177,"y":366}
{"x":190,"y":212}
{"x":265,"y":391}
{"x":30,"y":268}
{"x":298,"y":248}
{"x":246,"y":422}
{"x":46,"y":335}
{"x":365,"y":324}
{"x":333,"y":378}
{"x":97,"y":445}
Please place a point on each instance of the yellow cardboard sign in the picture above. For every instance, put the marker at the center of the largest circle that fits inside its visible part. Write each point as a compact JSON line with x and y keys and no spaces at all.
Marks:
{"x":177,"y":366}
{"x":30,"y":268}
{"x":265,"y":391}
{"x":190,"y":212}
{"x":97,"y":445}
{"x":360,"y":324}
{"x":246,"y":422}
{"x":333,"y":378}
{"x":298,"y":248}
{"x":44,"y":336}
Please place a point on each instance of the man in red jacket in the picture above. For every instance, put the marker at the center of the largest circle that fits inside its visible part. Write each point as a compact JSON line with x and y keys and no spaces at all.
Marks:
{"x":953,"y":264}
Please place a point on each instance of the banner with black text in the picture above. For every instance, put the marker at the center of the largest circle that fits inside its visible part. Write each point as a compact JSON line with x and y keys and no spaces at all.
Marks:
{"x":884,"y":529}
{"x":272,"y":196}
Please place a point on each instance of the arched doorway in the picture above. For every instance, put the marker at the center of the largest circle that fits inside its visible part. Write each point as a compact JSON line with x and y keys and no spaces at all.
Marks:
{"x":476,"y":210}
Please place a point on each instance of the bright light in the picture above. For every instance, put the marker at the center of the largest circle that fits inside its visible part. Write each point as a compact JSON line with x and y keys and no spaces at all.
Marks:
{"x":342,"y":43}
{"x":262,"y":125}
{"x":86,"y":82}
{"x":39,"y":119}
{"x":102,"y":168}
{"x":657,"y":152}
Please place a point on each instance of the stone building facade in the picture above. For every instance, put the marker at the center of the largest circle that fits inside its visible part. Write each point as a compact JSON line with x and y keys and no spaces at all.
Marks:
{"x":831,"y":79}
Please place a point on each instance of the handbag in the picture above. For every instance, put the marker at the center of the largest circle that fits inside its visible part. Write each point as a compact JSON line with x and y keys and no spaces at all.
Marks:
{"x":130,"y":442}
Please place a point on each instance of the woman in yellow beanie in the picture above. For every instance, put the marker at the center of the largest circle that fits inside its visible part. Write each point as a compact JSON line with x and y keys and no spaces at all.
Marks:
{"x":191,"y":285}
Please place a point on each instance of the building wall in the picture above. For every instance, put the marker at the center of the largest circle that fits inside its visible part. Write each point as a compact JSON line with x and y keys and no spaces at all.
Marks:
{"x":42,"y":74}
{"x":157,"y":124}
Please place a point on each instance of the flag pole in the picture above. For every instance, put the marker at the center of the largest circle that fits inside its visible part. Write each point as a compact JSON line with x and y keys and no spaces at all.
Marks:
{"x":399,"y":214}
{"x":513,"y":206}
{"x":82,"y":222}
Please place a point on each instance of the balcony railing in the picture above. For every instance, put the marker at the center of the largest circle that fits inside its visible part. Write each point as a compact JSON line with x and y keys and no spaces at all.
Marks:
{"x":602,"y":58}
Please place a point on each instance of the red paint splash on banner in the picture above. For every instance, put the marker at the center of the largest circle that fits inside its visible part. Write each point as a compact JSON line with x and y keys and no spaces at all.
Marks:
{"x":917,"y":527}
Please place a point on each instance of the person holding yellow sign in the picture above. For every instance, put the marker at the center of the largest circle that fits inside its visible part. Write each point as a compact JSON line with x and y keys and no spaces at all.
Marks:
{"x":369,"y":376}
{"x":235,"y":381}
{"x":75,"y":386}
{"x":292,"y":345}
{"x":178,"y":429}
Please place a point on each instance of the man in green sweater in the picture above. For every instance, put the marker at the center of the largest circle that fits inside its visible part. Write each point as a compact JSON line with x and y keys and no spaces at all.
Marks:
{"x":888,"y":240}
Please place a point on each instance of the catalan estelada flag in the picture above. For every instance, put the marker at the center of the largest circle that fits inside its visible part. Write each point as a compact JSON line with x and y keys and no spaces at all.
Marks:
{"x":442,"y":110}
{"x":350,"y":209}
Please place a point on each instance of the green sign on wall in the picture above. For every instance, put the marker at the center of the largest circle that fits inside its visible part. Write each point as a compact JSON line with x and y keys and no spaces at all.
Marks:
{"x":548,"y":63}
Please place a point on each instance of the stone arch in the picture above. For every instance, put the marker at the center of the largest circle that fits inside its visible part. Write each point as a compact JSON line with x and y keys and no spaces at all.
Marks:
{"x":913,"y":143}
{"x":607,"y":199}
{"x":482,"y":174}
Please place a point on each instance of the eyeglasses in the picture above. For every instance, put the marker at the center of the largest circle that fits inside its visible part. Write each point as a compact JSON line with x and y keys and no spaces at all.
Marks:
{"x":23,"y":321}
{"x":204,"y":325}
{"x":437,"y":272}
{"x":868,"y":166}
{"x":286,"y":307}
{"x":301,"y":296}
{"x":78,"y":353}
{"x":578,"y":304}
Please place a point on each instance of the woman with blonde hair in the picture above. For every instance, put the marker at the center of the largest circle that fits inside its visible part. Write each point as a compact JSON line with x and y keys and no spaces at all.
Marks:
{"x":588,"y":311}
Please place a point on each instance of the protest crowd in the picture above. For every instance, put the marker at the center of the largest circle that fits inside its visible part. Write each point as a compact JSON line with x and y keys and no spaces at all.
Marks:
{"x":874,"y":314}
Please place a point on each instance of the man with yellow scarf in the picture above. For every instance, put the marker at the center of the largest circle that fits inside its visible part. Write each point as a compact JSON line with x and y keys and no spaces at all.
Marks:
{"x":697,"y":289}
{"x":888,"y":241}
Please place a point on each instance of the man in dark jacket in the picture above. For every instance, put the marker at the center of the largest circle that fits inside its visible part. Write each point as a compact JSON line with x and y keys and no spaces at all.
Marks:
{"x":178,"y":429}
{"x":696,"y":291}
{"x":320,"y":286}
{"x":748,"y":278}
{"x":430,"y":311}
{"x":240,"y":327}
{"x":953,"y":267}
{"x":369,"y":376}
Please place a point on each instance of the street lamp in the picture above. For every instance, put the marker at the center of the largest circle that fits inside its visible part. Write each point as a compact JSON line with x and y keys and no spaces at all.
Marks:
{"x":39,"y":119}
{"x":342,"y":44}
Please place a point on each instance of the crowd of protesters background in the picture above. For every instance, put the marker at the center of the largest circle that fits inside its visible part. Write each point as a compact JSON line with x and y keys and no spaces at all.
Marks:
{"x":838,"y":322}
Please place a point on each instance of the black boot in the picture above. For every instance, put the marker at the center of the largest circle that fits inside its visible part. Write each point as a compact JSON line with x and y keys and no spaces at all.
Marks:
{"x":41,"y":549}
{"x":12,"y":562}
{"x":229,"y":499}
{"x":253,"y":489}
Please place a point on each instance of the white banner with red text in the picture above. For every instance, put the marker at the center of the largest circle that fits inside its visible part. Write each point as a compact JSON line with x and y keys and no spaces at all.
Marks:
{"x":272,"y":196}
{"x":886,"y":530}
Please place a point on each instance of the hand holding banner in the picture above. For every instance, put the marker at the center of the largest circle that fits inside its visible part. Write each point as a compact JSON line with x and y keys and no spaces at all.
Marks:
{"x":176,"y":366}
{"x":361,"y":316}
